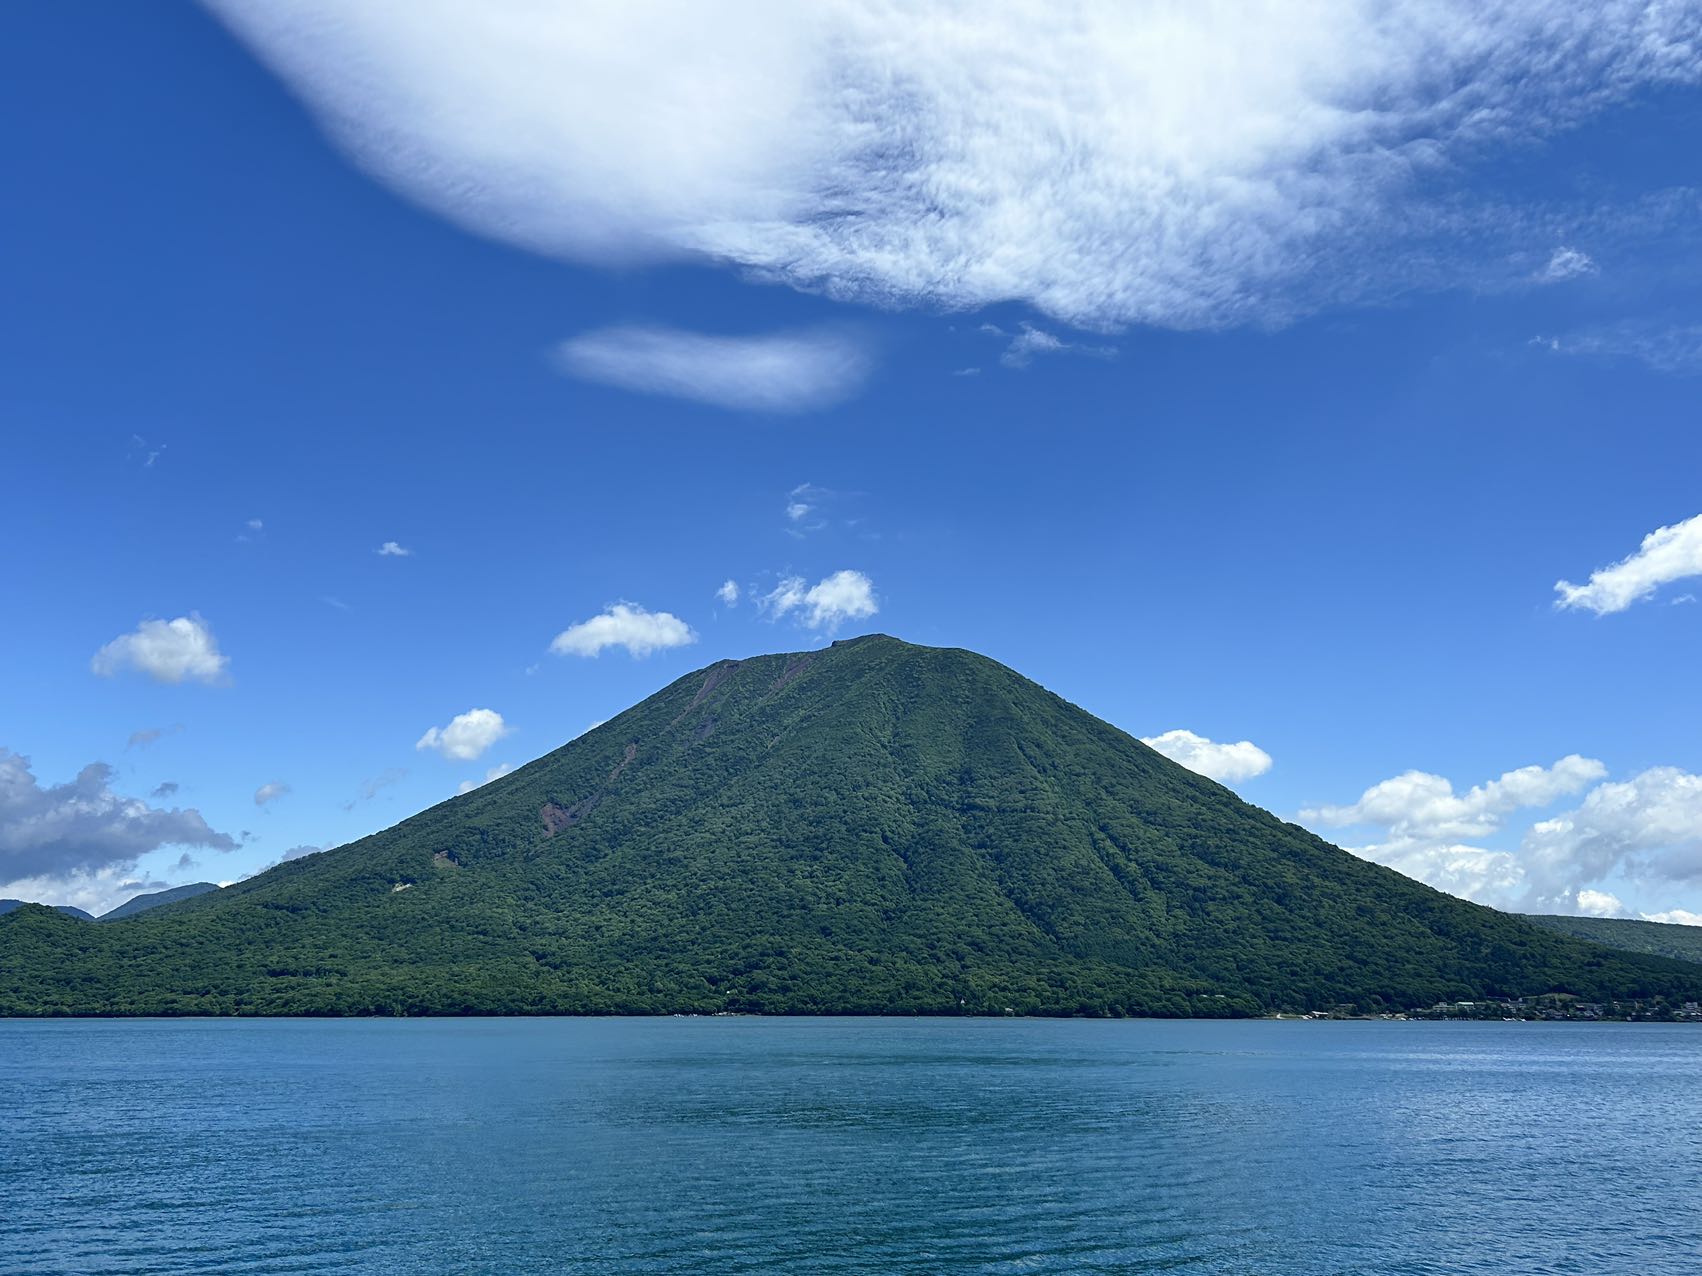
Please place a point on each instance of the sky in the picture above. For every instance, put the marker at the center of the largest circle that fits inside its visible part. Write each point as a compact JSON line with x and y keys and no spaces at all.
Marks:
{"x":394,"y":389}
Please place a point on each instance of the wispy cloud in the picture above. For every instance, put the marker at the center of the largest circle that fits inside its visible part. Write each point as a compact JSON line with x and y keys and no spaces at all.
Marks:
{"x":266,"y":794}
{"x":1564,"y":264}
{"x":1666,"y":554}
{"x":1030,"y":341}
{"x":1105,"y":162}
{"x":390,"y":549}
{"x":1663,"y":347}
{"x":779,"y":372}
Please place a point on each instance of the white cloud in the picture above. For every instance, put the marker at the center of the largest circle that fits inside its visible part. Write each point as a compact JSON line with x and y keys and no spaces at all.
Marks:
{"x":173,"y":651}
{"x":779,"y":372}
{"x":1032,"y":341}
{"x":1675,"y":917}
{"x":268,"y":793}
{"x":1566,"y":263}
{"x":829,"y":603}
{"x":495,"y":773}
{"x":467,"y":735}
{"x":1645,"y":832}
{"x":84,"y":826}
{"x":1471,"y":872}
{"x":1225,"y":763}
{"x":95,"y":891}
{"x":1663,"y":347}
{"x":1106,"y":161}
{"x":1666,"y":554}
{"x":1648,"y":827}
{"x":1599,"y":904}
{"x":624,"y":625}
{"x":390,"y":549}
{"x":729,"y":592}
{"x":1420,"y":805}
{"x":255,"y":525}
{"x":796,"y":510}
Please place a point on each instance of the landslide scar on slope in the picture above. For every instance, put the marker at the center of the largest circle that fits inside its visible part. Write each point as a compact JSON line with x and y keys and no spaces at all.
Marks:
{"x":557,"y":817}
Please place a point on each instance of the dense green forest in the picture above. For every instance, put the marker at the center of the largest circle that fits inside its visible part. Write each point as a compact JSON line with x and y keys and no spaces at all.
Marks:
{"x":1661,"y":939}
{"x":872,"y":828}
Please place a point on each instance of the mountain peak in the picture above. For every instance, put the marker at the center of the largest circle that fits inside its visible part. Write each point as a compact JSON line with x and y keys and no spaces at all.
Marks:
{"x":872,"y":827}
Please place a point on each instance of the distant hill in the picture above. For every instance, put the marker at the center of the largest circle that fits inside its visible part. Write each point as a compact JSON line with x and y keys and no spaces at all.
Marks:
{"x":871,"y":828}
{"x":7,"y":905}
{"x":142,"y":903}
{"x":1662,"y":939}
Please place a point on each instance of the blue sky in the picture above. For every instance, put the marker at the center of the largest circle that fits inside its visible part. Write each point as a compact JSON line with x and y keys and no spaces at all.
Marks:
{"x":1260,"y":386}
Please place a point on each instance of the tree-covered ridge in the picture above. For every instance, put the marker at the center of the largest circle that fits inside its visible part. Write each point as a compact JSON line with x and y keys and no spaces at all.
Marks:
{"x":1660,"y":939}
{"x":876,"y":827}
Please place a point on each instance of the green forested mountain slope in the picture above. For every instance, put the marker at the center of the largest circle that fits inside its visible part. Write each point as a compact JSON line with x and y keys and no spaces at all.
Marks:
{"x":7,"y":905}
{"x":1662,"y":939}
{"x":876,"y":827}
{"x":154,"y":899}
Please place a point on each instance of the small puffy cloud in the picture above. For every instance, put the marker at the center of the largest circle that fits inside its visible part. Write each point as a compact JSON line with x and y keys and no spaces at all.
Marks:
{"x":495,"y":773}
{"x":255,"y":525}
{"x":467,"y":735}
{"x":83,"y":825}
{"x":164,"y":790}
{"x":1675,"y":917}
{"x":1566,"y":263}
{"x":1225,"y":763}
{"x":729,"y":592}
{"x":269,"y":793}
{"x":827,"y":604}
{"x":181,"y":650}
{"x":781,"y":372}
{"x":390,"y":549}
{"x":1666,"y":554}
{"x":624,"y":625}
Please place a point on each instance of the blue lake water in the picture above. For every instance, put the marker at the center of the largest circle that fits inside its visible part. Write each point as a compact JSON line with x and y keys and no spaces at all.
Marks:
{"x":863,"y":1145}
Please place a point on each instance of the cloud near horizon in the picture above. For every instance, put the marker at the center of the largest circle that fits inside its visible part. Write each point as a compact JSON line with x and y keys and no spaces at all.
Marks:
{"x":1645,"y":831}
{"x":84,"y":827}
{"x":778,"y":372}
{"x":1225,"y":763}
{"x":1106,"y":162}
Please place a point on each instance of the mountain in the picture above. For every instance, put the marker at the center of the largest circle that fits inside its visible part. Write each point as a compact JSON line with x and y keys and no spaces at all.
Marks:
{"x":1661,"y":939}
{"x":873,"y":827}
{"x":7,"y":905}
{"x":142,"y":903}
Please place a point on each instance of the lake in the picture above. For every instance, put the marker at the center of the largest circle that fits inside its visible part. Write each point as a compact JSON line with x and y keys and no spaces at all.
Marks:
{"x":849,"y":1145}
